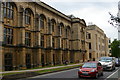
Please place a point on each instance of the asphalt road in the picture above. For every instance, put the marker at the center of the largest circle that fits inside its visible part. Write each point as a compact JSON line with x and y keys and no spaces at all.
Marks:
{"x":72,"y":75}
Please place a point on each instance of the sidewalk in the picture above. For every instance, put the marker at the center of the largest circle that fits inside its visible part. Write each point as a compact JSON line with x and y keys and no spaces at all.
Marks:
{"x":38,"y":69}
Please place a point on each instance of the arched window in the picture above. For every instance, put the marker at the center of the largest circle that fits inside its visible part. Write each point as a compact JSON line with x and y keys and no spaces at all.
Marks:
{"x":27,"y":16}
{"x":8,"y":10}
{"x":53,"y":24}
{"x":66,"y":33}
{"x":53,"y":42}
{"x":42,"y":21}
{"x":61,"y":28}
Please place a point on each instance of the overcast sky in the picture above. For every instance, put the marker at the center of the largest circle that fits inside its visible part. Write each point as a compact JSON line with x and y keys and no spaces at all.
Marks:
{"x":95,"y":11}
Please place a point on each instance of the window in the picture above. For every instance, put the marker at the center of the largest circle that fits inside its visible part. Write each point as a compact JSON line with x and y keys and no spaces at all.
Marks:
{"x":42,"y":40}
{"x":53,"y":25}
{"x":53,"y":42}
{"x":37,"y":24}
{"x":89,"y":45}
{"x":90,"y":55}
{"x":27,"y":38}
{"x":8,"y":10}
{"x":8,"y":36}
{"x":66,"y":33}
{"x":49,"y":26}
{"x":42,"y":21}
{"x":89,"y":36}
{"x":27,"y":16}
{"x":60,"y":30}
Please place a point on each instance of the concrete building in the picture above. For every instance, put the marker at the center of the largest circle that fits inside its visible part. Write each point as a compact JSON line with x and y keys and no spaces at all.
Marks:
{"x":35,"y":35}
{"x":98,"y":42}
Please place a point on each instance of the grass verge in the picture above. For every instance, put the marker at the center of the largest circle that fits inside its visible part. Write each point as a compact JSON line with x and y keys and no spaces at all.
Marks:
{"x":43,"y":71}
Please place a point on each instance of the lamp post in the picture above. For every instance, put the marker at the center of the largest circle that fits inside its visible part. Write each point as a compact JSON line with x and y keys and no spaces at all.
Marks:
{"x":119,"y":50}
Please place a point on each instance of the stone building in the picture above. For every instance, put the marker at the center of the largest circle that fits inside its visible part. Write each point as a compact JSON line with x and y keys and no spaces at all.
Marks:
{"x":98,"y":42}
{"x":35,"y":35}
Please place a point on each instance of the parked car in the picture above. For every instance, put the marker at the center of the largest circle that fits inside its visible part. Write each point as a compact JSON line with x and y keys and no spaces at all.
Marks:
{"x":90,"y":69}
{"x":117,"y":62}
{"x":108,"y":63}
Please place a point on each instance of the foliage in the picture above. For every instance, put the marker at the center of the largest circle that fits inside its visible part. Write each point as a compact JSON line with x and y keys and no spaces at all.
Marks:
{"x":115,"y":46}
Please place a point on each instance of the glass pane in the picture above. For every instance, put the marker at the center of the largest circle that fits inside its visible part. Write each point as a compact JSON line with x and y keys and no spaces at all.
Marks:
{"x":4,"y":12}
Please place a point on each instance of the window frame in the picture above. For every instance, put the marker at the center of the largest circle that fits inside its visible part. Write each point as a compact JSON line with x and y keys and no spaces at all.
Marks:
{"x":27,"y":38}
{"x":8,"y":36}
{"x":8,"y":10}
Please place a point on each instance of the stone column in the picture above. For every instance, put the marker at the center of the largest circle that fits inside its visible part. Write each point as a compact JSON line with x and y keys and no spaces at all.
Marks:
{"x":20,"y":16}
{"x":32,"y":57}
{"x":39,"y":24}
{"x":38,"y":39}
{"x":14,"y":61}
{"x":39,"y":58}
{"x":51,"y":57}
{"x":60,"y":57}
{"x":1,"y":38}
{"x":68,"y":56}
{"x":23,"y":29}
{"x":23,"y":59}
{"x":32,"y":39}
{"x":87,"y":53}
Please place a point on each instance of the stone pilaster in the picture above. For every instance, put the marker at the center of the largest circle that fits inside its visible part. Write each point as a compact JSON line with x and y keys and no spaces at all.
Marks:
{"x":32,"y":39}
{"x":23,"y":29}
{"x":51,"y":57}
{"x":39,"y":24}
{"x":1,"y":37}
{"x":23,"y":59}
{"x":23,"y":36}
{"x":39,"y":38}
{"x":14,"y":61}
{"x":39,"y":58}
{"x":20,"y":16}
{"x":60,"y":56}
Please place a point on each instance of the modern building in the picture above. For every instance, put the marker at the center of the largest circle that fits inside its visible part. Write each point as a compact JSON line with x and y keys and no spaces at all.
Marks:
{"x":98,"y":42}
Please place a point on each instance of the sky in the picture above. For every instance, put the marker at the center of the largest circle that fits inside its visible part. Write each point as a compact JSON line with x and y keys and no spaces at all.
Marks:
{"x":95,"y":11}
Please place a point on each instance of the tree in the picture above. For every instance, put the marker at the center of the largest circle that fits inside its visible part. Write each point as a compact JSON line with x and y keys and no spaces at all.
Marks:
{"x":115,"y":46}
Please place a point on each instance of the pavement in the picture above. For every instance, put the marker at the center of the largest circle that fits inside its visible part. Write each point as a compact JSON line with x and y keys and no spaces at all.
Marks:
{"x":31,"y":70}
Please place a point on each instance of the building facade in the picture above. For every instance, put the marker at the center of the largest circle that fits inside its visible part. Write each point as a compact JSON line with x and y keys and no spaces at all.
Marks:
{"x":98,"y":42}
{"x":35,"y":35}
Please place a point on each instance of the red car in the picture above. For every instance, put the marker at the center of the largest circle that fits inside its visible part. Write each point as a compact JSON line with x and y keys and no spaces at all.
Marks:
{"x":90,"y":69}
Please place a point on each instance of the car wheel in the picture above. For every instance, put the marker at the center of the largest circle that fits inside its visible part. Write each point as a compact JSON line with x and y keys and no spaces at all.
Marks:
{"x":79,"y":77}
{"x":96,"y":75}
{"x":114,"y":67}
{"x":101,"y":73}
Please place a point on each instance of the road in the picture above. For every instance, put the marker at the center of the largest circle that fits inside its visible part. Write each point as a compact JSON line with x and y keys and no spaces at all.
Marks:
{"x":72,"y":75}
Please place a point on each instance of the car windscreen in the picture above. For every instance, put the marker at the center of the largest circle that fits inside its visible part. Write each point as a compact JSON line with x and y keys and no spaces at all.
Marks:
{"x":116,"y":59}
{"x":89,"y":65}
{"x":105,"y":59}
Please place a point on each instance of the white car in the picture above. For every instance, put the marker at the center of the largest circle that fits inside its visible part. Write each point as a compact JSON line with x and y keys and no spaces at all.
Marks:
{"x":108,"y":63}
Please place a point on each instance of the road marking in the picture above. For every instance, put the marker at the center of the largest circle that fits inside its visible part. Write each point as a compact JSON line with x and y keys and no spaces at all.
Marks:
{"x":113,"y":73}
{"x":52,"y":73}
